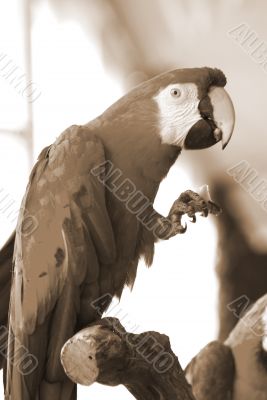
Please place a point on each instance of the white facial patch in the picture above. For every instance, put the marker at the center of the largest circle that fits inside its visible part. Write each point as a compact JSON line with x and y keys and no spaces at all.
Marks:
{"x":178,"y":111}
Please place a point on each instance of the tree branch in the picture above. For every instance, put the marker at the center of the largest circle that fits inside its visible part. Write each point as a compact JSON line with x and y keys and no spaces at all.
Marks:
{"x":144,"y":363}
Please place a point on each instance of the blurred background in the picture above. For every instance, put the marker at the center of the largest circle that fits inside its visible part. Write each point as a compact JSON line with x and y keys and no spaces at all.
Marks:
{"x":64,"y":62}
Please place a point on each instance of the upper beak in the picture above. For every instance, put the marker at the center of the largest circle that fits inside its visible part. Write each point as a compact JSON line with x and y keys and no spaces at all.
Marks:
{"x":223,"y":112}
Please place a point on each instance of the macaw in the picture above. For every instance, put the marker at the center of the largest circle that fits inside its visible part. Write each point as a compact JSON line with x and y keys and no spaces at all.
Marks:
{"x":237,"y":368}
{"x":91,"y":193}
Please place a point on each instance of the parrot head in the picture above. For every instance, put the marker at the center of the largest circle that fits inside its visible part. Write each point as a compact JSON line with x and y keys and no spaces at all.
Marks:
{"x":188,"y":108}
{"x":195,"y":111}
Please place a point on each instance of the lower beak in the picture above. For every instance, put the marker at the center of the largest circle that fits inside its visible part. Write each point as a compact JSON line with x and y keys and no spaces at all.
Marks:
{"x":223,"y":113}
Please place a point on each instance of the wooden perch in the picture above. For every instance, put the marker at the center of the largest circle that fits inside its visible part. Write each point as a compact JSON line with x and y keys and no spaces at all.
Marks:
{"x":144,"y":363}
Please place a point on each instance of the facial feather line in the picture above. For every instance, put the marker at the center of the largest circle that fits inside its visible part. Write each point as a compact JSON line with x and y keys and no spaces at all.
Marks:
{"x":177,"y":115}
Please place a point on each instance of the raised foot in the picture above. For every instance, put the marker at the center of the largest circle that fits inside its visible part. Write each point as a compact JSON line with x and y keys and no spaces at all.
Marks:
{"x":188,"y":203}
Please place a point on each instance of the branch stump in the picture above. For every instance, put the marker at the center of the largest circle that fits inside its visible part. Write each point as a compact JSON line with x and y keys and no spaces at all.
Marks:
{"x":144,"y":363}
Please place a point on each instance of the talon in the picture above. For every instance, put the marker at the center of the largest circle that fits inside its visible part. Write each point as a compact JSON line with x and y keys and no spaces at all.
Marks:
{"x":205,"y":212}
{"x":184,"y":228}
{"x":189,"y":203}
{"x":193,"y":219}
{"x":192,"y":214}
{"x":177,"y":228}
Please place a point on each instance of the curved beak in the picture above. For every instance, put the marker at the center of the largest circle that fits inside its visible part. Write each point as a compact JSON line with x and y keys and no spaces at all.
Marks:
{"x":223,"y":113}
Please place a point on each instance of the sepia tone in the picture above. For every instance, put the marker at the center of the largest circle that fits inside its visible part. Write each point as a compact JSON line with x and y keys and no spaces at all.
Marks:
{"x":184,"y":81}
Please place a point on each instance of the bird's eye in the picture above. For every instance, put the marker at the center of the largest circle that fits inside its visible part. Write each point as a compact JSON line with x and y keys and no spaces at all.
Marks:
{"x":175,"y":92}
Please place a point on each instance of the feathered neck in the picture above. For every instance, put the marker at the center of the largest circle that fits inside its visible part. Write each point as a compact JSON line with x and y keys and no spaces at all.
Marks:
{"x":133,"y":144}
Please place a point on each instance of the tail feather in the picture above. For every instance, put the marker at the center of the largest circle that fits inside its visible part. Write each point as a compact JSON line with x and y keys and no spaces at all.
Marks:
{"x":65,"y":390}
{"x":26,"y":374}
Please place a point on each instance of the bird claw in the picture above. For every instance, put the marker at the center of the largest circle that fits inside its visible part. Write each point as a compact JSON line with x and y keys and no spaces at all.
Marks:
{"x":189,"y":203}
{"x":205,"y":212}
{"x":184,"y":228}
{"x":180,"y":228}
{"x":170,"y":227}
{"x":177,"y":228}
{"x":193,"y":219}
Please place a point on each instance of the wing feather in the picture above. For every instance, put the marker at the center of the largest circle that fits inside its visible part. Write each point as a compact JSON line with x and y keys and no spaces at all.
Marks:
{"x":52,"y":263}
